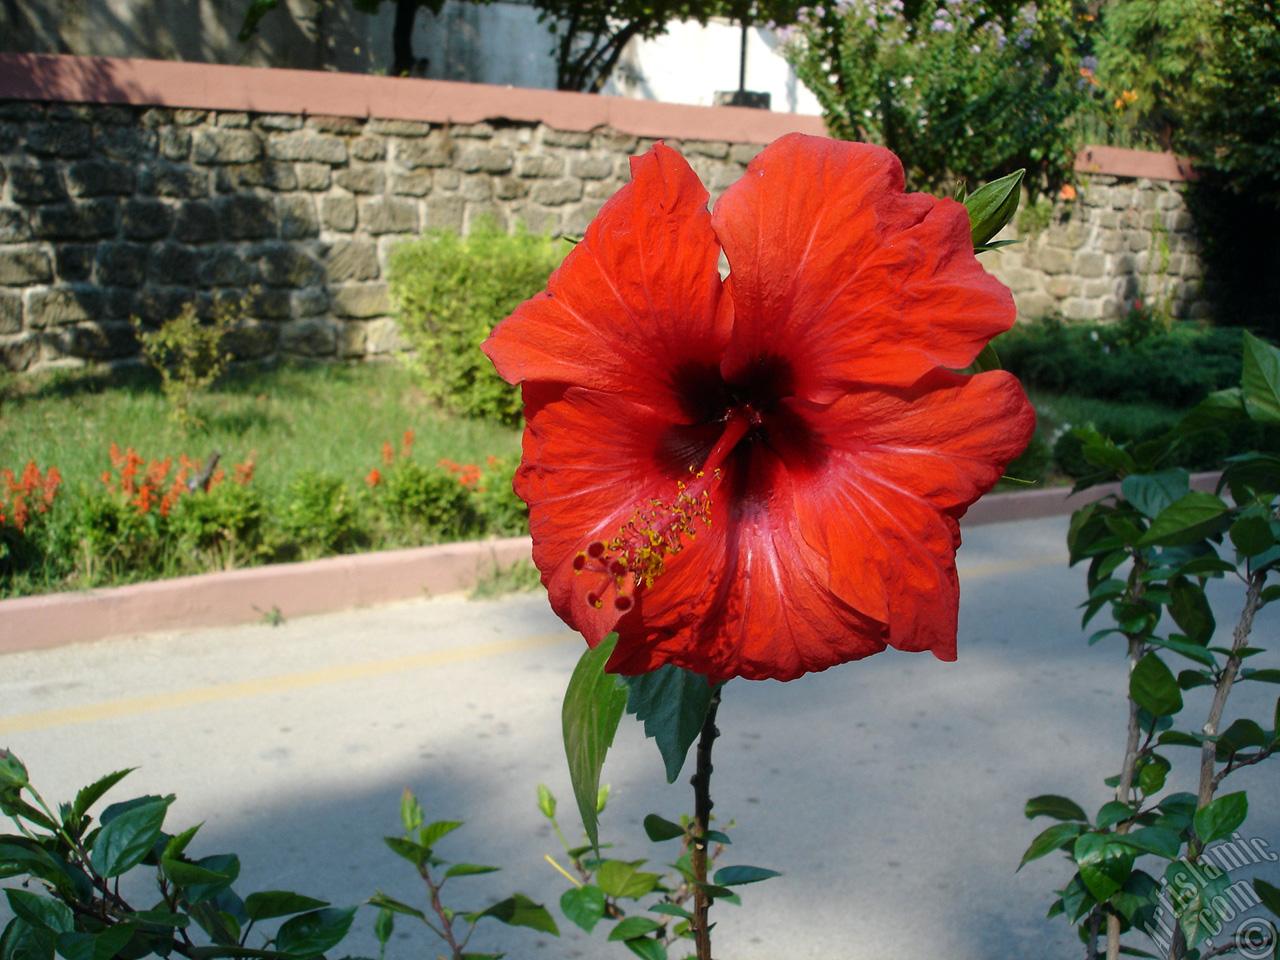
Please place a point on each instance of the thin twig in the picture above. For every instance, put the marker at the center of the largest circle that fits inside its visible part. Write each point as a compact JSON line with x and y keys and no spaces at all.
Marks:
{"x":702,"y":805}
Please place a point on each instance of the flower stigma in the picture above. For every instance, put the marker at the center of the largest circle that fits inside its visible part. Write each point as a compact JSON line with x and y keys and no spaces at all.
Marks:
{"x":636,"y":555}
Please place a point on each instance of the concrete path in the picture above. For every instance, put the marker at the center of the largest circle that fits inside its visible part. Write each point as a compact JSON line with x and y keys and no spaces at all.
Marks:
{"x":888,"y":792}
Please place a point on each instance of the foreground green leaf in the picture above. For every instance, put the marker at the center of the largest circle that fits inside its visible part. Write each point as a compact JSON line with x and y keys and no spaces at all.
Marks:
{"x":672,"y":703}
{"x":593,"y":706}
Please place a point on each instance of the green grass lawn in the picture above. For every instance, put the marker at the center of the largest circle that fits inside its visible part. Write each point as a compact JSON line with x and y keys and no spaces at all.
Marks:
{"x":328,"y":418}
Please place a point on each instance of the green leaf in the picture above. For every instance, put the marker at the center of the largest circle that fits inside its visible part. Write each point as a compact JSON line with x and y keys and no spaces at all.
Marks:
{"x":593,"y":705}
{"x":671,"y":910}
{"x":1219,"y":409}
{"x":1152,"y":776}
{"x":987,"y":358}
{"x":546,"y":802}
{"x":1187,"y":520}
{"x":1268,"y":894}
{"x":1058,"y":837}
{"x":1192,"y":651}
{"x":311,"y":934}
{"x":646,"y":948}
{"x":1260,"y":380}
{"x":520,"y":911}
{"x":1251,"y":535}
{"x":736,"y":876}
{"x":1243,"y":733}
{"x":1150,"y":493}
{"x":1154,"y":688}
{"x":1267,"y":675}
{"x":183,"y":874}
{"x":1051,"y":805}
{"x":431,"y":834}
{"x":1162,"y":841}
{"x":622,"y":880}
{"x":42,"y":912}
{"x":469,"y":870}
{"x":226,"y":865}
{"x":584,"y":906}
{"x":410,"y":812}
{"x":1104,"y":862}
{"x":173,"y":850}
{"x":22,"y":941}
{"x":1193,"y":889}
{"x":160,"y":918}
{"x":268,"y":904}
{"x":992,"y":206}
{"x":1111,"y":813}
{"x":632,"y":927}
{"x":103,"y":945}
{"x":384,"y":902}
{"x":1190,"y":610}
{"x":125,"y":841}
{"x":658,"y":829}
{"x":384,"y":926}
{"x":672,"y":703}
{"x":91,"y":794}
{"x":1221,"y":816}
{"x":415,"y":853}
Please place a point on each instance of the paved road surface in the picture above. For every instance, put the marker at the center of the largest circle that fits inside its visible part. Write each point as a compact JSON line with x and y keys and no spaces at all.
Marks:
{"x":889,"y":792}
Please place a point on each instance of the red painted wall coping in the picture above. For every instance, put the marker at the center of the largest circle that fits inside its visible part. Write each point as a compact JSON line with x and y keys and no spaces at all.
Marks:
{"x":205,"y":86}
{"x":208,"y":86}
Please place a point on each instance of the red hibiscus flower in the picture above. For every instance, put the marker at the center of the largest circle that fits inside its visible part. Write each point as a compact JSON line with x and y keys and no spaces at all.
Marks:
{"x":761,"y":476}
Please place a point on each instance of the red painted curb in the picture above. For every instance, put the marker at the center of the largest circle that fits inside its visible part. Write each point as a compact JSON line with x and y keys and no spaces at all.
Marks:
{"x":355,"y":580}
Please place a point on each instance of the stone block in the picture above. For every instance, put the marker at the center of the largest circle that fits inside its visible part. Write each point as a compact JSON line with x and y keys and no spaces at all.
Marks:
{"x":59,"y":139}
{"x":225,"y":266}
{"x":145,"y":219}
{"x":10,"y":311}
{"x":22,"y":111}
{"x":173,"y":263}
{"x":264,"y":174}
{"x":361,"y":300}
{"x":382,"y":336}
{"x":314,"y":176}
{"x":446,"y":179}
{"x":175,"y":143}
{"x":744,"y":153}
{"x":476,"y":131}
{"x":409,"y":184}
{"x":539,"y":165}
{"x":398,"y":128}
{"x":352,"y":260}
{"x":1137,"y":240}
{"x":15,"y":225}
{"x":96,"y":178}
{"x":189,"y":118}
{"x":1035,"y":305}
{"x":484,"y":213}
{"x":119,"y":303}
{"x":87,"y":220}
{"x":369,"y":149}
{"x":308,"y":146}
{"x":1090,"y":264}
{"x":343,"y":126}
{"x":310,"y":302}
{"x":591,"y":168}
{"x":477,"y":188}
{"x":282,"y":264}
{"x":1179,"y":221}
{"x":60,"y":305}
{"x":195,"y":222}
{"x":716,"y":149}
{"x":614,"y":141}
{"x":352,"y":335}
{"x":361,"y":179}
{"x":231,"y":119}
{"x":165,"y":179}
{"x":1054,"y":260}
{"x":218,"y":145}
{"x":269,"y":303}
{"x":435,"y":150}
{"x":121,"y":264}
{"x":22,"y":266}
{"x":18,"y":353}
{"x":565,"y":138}
{"x":484,"y":159}
{"x":443,"y":213}
{"x":555,"y":193}
{"x":125,"y":143}
{"x":298,"y":219}
{"x":309,"y":337}
{"x":252,"y":339}
{"x":388,"y":215}
{"x":104,"y":340}
{"x":339,"y":213}
{"x":36,"y":184}
{"x":246,"y":216}
{"x":509,"y":188}
{"x":73,"y":262}
{"x":278,"y":121}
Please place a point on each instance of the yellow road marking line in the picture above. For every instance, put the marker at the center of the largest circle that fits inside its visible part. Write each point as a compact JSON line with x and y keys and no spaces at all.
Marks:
{"x":92,"y":712}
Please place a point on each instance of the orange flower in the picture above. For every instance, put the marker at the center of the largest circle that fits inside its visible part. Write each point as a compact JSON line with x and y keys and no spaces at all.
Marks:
{"x":374,"y":478}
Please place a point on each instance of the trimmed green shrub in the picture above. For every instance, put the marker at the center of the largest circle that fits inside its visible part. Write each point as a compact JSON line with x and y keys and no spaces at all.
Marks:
{"x":450,"y":291}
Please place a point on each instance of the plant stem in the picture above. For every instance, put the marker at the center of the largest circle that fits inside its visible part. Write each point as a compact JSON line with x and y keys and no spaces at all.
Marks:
{"x":702,"y":804}
{"x":1124,"y":788}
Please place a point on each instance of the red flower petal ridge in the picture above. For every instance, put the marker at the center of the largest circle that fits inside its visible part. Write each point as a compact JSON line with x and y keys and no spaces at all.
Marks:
{"x":761,"y":476}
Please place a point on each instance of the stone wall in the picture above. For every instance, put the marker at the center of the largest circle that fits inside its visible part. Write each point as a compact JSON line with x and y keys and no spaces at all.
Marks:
{"x":112,"y":212}
{"x":1118,"y":240}
{"x":132,"y":188}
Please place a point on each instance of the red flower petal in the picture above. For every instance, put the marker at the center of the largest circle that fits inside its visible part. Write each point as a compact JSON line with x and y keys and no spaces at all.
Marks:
{"x":635,"y":301}
{"x":834,"y":267}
